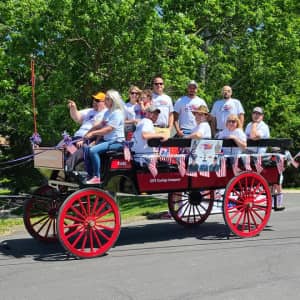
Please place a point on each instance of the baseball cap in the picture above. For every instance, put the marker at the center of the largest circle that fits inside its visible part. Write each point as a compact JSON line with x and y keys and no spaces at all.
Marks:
{"x":193,"y":82}
{"x":201,"y":109}
{"x":152,"y":109}
{"x":99,"y":96}
{"x":258,"y":110}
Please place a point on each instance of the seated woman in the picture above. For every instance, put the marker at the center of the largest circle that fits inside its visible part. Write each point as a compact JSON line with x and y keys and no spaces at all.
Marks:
{"x":235,"y":132}
{"x":110,"y":135}
{"x":202,"y":130}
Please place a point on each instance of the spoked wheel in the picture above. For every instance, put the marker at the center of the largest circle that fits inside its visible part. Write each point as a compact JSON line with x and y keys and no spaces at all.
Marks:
{"x":89,"y":223}
{"x":247,"y":204}
{"x":40,"y":213}
{"x":190,"y":208}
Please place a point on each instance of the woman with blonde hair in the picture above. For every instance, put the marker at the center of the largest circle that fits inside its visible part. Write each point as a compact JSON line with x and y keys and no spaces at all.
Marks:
{"x":235,"y":132}
{"x":110,"y":133}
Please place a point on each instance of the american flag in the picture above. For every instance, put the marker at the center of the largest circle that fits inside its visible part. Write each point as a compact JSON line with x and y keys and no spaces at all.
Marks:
{"x":181,"y":165}
{"x":152,"y":166}
{"x":257,"y":162}
{"x":222,"y":170}
{"x":204,"y":171}
{"x":291,"y":159}
{"x":71,"y":148}
{"x":127,"y":154}
{"x":280,"y":163}
{"x":246,"y":161}
{"x":235,"y":166}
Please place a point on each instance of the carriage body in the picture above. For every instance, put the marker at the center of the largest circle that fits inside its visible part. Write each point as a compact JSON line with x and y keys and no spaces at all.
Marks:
{"x":86,"y":219}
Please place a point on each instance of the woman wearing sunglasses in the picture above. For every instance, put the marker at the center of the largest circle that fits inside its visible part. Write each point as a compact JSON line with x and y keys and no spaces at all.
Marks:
{"x":235,"y":132}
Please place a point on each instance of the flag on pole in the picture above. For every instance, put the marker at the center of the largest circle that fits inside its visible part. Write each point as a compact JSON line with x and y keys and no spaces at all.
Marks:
{"x":291,"y":160}
{"x":235,"y":166}
{"x":127,"y":153}
{"x":280,"y":163}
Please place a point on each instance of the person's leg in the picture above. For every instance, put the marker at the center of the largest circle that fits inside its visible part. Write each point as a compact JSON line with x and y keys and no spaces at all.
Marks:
{"x":94,"y":153}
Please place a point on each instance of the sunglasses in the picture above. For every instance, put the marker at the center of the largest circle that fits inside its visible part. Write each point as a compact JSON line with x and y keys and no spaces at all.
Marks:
{"x":96,"y":100}
{"x":158,"y":83}
{"x":231,"y":121}
{"x":134,"y":93}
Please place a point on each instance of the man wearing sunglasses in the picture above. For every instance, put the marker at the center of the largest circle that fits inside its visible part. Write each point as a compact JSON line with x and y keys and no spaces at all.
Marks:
{"x":164,"y":103}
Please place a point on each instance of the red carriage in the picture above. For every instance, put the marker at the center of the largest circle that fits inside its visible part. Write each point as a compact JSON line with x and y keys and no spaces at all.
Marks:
{"x":86,"y":219}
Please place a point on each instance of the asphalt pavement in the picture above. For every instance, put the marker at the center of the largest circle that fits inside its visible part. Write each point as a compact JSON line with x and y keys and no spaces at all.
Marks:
{"x":158,"y":259}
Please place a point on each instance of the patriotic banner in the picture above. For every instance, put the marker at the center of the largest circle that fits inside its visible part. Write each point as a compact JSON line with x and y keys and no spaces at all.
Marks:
{"x":222,"y":170}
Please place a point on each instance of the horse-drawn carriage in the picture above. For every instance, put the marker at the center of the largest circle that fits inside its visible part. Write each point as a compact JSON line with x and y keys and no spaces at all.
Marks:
{"x":86,"y":219}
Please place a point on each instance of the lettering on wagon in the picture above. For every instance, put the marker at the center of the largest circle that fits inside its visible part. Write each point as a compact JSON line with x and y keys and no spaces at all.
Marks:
{"x":164,"y":180}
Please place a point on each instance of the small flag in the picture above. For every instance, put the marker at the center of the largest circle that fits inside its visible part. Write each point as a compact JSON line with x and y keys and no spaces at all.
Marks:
{"x":152,"y":166}
{"x":127,"y":153}
{"x":291,"y":160}
{"x":246,"y":161}
{"x":181,"y":166}
{"x":235,"y":166}
{"x":280,"y":163}
{"x":257,"y":162}
{"x":222,"y":170}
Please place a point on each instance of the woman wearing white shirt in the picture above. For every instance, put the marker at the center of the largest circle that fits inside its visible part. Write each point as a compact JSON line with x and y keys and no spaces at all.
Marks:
{"x":202,"y":130}
{"x":235,"y":132}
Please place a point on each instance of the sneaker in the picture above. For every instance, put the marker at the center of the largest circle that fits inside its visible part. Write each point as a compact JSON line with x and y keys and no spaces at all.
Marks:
{"x":94,"y":180}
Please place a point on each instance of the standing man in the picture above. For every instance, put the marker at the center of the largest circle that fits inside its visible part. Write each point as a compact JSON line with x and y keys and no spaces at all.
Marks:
{"x":225,"y":107}
{"x":184,"y":119}
{"x":257,"y":129}
{"x":164,"y":103}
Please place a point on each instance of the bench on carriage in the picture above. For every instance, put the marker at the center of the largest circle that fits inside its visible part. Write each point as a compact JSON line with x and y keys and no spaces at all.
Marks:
{"x":87,"y":220}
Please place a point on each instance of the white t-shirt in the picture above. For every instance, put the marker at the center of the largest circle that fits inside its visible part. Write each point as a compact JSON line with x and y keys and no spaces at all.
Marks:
{"x":223,"y":108}
{"x":89,"y":117}
{"x":204,"y":129}
{"x":114,"y":119}
{"x":264,"y":133}
{"x":130,"y":111}
{"x":140,"y":145}
{"x":165,"y":104}
{"x":184,"y":106}
{"x":239,"y":133}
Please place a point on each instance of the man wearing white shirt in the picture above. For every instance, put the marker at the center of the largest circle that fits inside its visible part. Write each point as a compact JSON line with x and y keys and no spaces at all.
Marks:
{"x":257,"y":129}
{"x":164,"y":103}
{"x":184,"y":120}
{"x":225,"y":107}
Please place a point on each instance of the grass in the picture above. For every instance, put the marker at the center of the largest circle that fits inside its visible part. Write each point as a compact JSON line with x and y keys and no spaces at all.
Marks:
{"x":132,"y":208}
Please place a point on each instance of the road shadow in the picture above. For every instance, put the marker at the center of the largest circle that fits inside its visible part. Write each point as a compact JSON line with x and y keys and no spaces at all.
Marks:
{"x":142,"y":233}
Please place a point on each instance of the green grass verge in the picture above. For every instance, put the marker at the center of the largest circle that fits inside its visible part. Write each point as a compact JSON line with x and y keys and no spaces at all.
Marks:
{"x":132,"y":208}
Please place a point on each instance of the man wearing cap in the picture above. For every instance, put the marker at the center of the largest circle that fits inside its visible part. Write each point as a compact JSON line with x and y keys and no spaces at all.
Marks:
{"x":257,"y":129}
{"x":184,"y":120}
{"x":144,"y":131}
{"x":89,"y":117}
{"x":225,"y":107}
{"x":164,"y":103}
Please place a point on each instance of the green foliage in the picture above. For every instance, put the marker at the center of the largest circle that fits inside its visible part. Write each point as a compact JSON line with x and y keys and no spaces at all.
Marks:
{"x":81,"y":47}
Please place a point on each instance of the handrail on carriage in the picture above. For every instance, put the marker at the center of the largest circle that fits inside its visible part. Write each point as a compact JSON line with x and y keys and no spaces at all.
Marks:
{"x":282,"y":143}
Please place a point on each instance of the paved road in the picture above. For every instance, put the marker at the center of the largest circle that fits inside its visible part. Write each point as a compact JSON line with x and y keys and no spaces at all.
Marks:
{"x":161,"y":260}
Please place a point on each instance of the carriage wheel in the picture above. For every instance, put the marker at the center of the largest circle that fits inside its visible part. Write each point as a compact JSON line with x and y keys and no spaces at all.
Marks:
{"x":40,"y":212}
{"x":247,"y":204}
{"x":190,"y":208}
{"x":89,"y":223}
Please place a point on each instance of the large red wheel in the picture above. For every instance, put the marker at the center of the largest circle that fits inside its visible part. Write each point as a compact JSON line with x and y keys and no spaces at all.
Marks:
{"x":247,"y":204}
{"x":88,"y":223}
{"x":190,"y":208}
{"x":40,"y":212}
